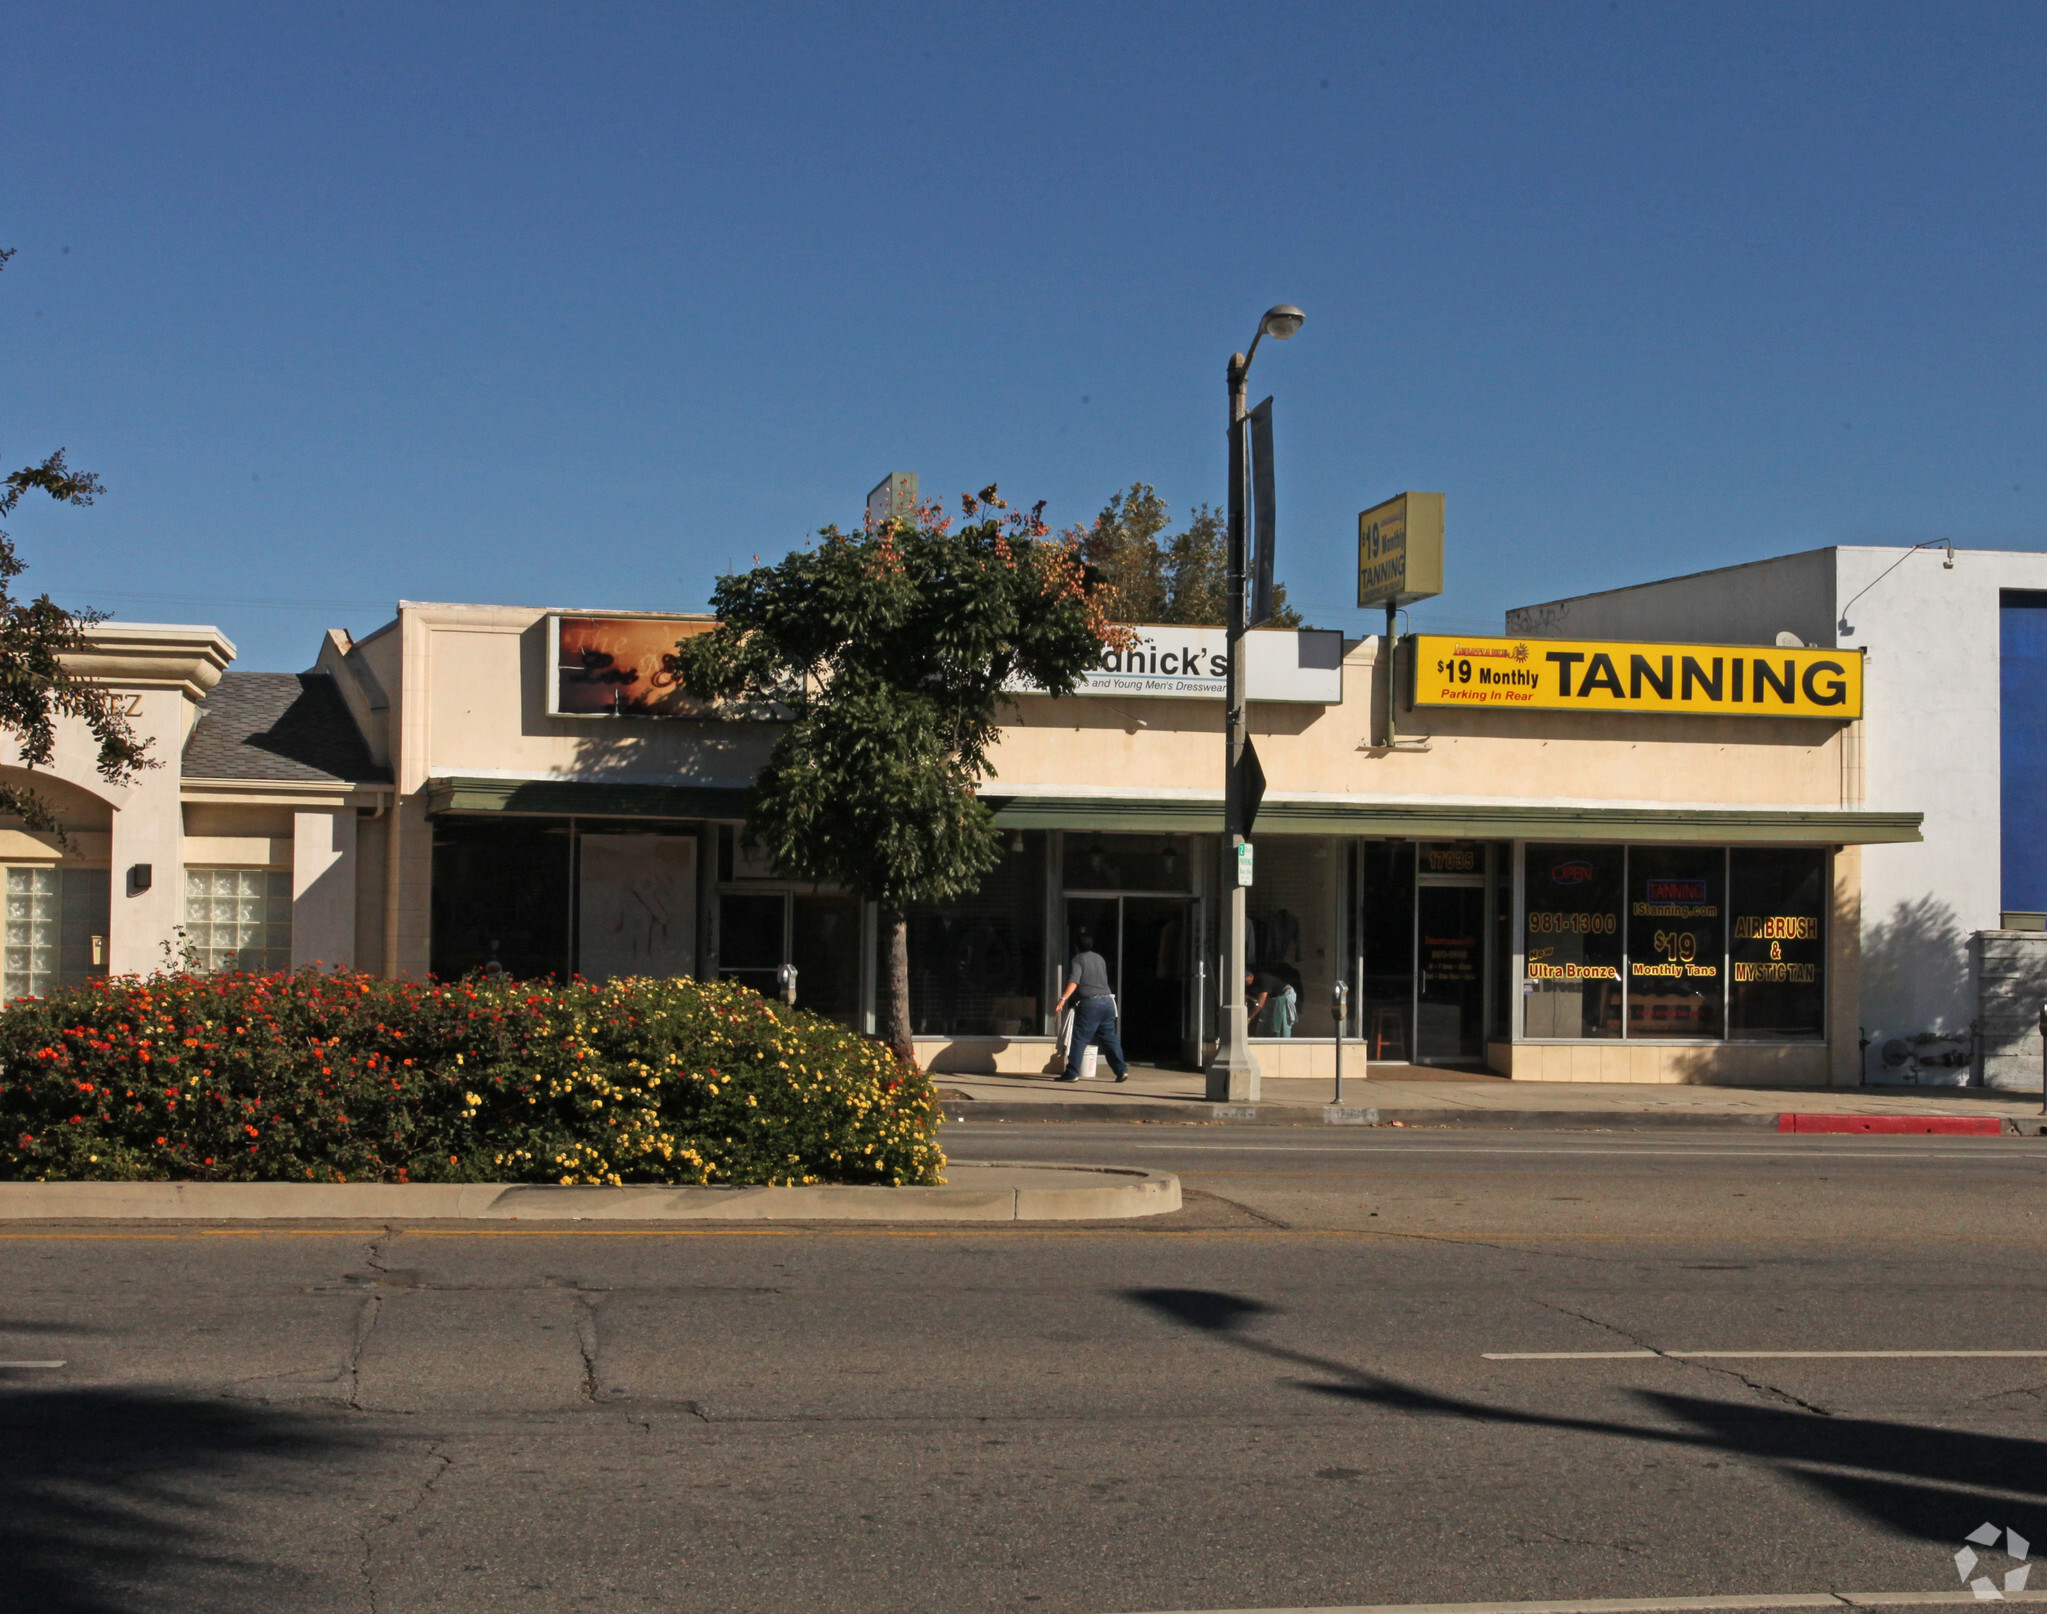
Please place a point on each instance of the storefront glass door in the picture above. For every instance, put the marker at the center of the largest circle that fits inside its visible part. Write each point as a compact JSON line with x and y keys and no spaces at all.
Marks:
{"x":1450,"y":978}
{"x":1147,"y":943}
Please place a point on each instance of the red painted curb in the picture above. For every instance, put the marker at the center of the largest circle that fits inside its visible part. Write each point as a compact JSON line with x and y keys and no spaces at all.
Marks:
{"x":1974,"y":1126}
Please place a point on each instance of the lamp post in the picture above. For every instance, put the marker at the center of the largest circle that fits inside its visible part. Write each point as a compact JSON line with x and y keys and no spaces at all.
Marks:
{"x":1233,"y":1076}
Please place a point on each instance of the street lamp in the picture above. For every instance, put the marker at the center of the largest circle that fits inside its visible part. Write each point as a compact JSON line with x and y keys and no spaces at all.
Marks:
{"x":1233,"y":1076}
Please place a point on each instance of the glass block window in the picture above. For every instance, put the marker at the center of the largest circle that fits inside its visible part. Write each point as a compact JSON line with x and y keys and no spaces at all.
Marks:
{"x":238,"y":919}
{"x":56,"y":929}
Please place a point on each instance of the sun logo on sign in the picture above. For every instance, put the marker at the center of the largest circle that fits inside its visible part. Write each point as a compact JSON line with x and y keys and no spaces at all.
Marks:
{"x":2015,"y":1546}
{"x":1520,"y":652}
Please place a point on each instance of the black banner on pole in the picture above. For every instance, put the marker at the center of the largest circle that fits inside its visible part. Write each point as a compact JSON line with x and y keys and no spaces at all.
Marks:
{"x":1250,"y":790}
{"x":1264,"y":508}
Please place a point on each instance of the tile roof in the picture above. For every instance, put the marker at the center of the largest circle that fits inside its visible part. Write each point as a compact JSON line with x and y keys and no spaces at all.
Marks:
{"x":289,"y":727}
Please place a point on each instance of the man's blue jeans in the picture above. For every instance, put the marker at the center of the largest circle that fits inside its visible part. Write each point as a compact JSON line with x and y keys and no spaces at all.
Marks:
{"x":1095,"y":1018}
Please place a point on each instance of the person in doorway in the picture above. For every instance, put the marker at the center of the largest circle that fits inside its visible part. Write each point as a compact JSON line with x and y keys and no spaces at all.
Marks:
{"x":1094,"y":1010}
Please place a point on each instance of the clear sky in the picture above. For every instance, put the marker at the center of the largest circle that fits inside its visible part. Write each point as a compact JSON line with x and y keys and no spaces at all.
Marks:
{"x":582,"y":305}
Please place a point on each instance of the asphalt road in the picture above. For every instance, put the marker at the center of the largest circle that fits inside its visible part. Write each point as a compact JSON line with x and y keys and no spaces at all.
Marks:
{"x":1280,"y":1397}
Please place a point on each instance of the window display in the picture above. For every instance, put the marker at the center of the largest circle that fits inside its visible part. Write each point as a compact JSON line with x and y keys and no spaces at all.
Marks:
{"x":1574,"y":942}
{"x":977,"y":962}
{"x":1720,"y":943}
{"x":1290,"y":935}
{"x":1779,"y":947}
{"x":1676,"y":934}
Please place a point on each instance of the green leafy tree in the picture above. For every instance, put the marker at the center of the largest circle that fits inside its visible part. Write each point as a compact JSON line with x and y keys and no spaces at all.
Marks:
{"x":887,"y":652}
{"x":1162,"y":576}
{"x":37,"y":689}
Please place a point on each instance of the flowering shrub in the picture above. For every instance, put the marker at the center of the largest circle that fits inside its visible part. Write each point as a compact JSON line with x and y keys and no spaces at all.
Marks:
{"x":349,"y":1078}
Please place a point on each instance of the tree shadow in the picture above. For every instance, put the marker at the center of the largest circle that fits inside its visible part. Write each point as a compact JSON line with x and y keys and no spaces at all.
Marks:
{"x":113,"y":1500}
{"x":1914,"y":1480}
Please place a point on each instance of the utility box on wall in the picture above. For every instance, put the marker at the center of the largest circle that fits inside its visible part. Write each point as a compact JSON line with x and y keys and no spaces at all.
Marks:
{"x":2011,"y":986}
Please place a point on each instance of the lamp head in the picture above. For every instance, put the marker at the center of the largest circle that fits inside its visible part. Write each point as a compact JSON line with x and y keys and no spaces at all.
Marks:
{"x":1281,"y":322}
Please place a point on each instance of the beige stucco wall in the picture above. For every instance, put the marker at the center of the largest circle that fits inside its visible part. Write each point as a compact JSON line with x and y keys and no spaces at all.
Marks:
{"x":474,"y":702}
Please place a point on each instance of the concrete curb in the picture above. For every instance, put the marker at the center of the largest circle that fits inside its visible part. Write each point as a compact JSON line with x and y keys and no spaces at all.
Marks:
{"x":1139,"y":1113}
{"x":975,"y":1192}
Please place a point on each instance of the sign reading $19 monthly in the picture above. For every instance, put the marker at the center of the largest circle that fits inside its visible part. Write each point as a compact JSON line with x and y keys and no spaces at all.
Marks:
{"x":1603,"y":675}
{"x":1400,"y":550}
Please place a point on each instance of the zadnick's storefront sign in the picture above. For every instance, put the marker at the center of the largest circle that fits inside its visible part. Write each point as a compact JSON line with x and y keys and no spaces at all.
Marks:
{"x":1605,"y":675}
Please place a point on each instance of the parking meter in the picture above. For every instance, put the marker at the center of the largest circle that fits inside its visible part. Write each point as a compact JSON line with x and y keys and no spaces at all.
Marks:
{"x":785,"y":978}
{"x":1339,"y":1004}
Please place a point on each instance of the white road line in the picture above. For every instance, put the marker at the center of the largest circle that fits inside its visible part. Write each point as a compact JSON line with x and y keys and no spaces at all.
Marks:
{"x":1658,"y":1605}
{"x":1740,"y":1356}
{"x":30,"y":1364}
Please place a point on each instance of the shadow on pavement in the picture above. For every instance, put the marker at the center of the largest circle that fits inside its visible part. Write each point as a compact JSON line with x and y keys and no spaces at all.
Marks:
{"x":1916,"y":1480}
{"x":111,"y":1500}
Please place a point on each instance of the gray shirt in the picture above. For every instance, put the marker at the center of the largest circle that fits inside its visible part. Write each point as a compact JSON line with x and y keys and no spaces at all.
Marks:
{"x":1088,"y":975}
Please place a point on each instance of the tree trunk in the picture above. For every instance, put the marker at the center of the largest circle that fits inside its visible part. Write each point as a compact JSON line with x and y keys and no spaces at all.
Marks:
{"x":895,"y":963}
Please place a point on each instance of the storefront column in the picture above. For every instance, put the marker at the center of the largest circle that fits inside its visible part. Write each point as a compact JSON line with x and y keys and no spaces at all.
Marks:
{"x":147,"y":895}
{"x":1516,"y":962}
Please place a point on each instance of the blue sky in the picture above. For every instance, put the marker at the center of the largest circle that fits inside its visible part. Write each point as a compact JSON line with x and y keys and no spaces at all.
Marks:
{"x":583,"y":305}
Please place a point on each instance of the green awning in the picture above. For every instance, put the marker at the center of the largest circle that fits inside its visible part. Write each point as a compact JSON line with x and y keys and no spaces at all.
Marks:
{"x":1736,"y":826}
{"x":1172,"y":815}
{"x":583,"y":798}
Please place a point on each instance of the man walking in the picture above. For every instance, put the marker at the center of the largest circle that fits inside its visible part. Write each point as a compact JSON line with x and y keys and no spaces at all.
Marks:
{"x":1094,"y":1010}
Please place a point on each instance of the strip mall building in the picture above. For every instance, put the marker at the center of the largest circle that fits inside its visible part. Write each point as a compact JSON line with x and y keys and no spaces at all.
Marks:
{"x":1573,"y":862}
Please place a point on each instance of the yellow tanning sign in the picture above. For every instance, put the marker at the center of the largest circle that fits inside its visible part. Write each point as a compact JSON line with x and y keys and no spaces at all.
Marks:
{"x":1602,"y":675}
{"x":1400,"y":550}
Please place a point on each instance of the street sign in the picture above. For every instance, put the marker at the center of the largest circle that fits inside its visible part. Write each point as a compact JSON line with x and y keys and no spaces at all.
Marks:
{"x":1244,"y":870}
{"x":1400,"y":550}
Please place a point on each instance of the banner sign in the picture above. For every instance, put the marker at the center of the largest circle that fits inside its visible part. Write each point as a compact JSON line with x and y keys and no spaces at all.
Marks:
{"x":1400,"y":551}
{"x":1280,"y":664}
{"x":1600,"y":675}
{"x":619,"y":666}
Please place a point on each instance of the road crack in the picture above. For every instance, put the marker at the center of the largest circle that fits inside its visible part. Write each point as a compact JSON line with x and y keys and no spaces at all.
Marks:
{"x":1770,"y":1391}
{"x":586,"y":1342}
{"x":369,"y":1536}
{"x":366,"y":1321}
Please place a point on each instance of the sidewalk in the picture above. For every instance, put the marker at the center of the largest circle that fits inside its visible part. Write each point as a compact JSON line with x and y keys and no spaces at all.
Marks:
{"x":1157,"y":1095}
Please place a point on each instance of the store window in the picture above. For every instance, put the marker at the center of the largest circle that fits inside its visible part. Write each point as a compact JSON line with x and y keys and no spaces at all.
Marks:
{"x":502,"y":897}
{"x":1675,"y":941}
{"x":1574,"y":943}
{"x":238,"y":919}
{"x":1716,"y":943}
{"x":977,"y":963}
{"x":1779,"y":949}
{"x":56,"y":930}
{"x":1386,"y":871}
{"x":1127,"y":862}
{"x":1290,"y":935}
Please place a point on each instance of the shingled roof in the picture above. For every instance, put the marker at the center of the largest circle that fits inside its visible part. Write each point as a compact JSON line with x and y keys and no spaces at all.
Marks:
{"x":289,"y":727}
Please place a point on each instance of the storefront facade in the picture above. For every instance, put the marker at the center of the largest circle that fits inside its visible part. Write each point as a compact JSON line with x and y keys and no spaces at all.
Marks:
{"x":1562,"y":895}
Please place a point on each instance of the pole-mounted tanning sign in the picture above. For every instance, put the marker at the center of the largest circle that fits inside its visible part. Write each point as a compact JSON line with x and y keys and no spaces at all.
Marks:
{"x":1400,"y":551}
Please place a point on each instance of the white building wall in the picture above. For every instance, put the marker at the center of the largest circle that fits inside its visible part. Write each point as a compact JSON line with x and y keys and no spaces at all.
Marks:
{"x":1931,"y":736}
{"x":323,"y":888}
